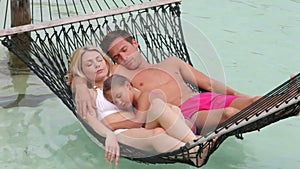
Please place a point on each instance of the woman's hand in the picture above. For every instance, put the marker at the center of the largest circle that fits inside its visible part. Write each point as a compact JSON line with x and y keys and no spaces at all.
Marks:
{"x":112,"y":149}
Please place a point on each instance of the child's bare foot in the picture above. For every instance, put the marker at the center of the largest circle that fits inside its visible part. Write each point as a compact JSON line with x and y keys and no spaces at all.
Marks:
{"x":201,"y":155}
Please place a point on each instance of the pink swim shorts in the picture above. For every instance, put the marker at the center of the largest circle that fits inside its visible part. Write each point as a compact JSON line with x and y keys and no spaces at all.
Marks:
{"x":205,"y":101}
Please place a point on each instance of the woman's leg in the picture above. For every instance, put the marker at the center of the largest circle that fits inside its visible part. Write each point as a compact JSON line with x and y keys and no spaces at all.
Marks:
{"x":169,"y":118}
{"x":157,"y":140}
{"x":149,"y":139}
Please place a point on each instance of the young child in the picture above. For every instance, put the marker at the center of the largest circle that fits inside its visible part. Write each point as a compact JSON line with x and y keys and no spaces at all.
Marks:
{"x":150,"y":112}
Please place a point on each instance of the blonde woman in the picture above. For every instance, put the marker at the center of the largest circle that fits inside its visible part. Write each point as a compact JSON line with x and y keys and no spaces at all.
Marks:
{"x":90,"y":64}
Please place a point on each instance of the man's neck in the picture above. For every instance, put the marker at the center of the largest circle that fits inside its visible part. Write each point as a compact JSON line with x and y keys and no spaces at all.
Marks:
{"x":144,"y":65}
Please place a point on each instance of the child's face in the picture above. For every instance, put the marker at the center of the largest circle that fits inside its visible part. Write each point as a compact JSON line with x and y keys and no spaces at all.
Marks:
{"x":121,"y":96}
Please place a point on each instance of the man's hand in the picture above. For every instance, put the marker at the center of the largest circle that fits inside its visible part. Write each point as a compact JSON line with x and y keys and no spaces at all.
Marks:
{"x":84,"y":100}
{"x":112,"y":149}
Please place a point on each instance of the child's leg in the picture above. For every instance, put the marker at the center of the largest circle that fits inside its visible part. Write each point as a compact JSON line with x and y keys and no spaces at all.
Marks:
{"x":169,"y":118}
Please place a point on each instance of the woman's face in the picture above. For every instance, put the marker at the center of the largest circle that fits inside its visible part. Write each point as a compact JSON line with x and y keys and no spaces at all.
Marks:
{"x":94,"y":66}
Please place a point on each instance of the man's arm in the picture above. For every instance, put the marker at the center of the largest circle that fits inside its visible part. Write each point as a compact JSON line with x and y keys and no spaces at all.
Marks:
{"x":83,"y":99}
{"x":204,"y":82}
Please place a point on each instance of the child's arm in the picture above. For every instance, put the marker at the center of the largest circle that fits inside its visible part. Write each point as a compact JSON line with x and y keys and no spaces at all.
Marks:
{"x":141,"y":109}
{"x":125,"y":124}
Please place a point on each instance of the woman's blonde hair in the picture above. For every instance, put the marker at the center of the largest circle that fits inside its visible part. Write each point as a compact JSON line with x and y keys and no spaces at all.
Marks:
{"x":75,"y":67}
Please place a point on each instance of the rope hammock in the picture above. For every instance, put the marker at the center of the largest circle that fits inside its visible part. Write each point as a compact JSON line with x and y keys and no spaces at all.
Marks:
{"x":45,"y":45}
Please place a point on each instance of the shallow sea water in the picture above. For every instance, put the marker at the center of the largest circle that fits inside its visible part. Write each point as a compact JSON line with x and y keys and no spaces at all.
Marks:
{"x":250,"y":45}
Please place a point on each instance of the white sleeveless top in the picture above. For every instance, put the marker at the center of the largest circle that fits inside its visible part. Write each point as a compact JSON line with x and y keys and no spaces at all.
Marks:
{"x":104,"y":107}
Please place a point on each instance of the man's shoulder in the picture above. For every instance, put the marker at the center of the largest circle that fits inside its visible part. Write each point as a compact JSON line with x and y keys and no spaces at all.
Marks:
{"x":171,"y":61}
{"x":118,"y":68}
{"x":172,"y":58}
{"x":121,"y":70}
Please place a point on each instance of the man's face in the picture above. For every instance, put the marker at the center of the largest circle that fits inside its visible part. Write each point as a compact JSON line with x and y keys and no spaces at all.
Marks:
{"x":125,"y":53}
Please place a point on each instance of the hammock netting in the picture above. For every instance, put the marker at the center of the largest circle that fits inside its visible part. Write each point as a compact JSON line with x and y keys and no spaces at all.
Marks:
{"x":58,"y":27}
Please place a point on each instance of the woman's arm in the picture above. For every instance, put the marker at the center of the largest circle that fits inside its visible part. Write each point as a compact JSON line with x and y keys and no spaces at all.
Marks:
{"x":112,"y":149}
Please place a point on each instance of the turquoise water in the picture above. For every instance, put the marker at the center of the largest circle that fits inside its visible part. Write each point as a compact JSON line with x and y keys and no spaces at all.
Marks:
{"x":250,"y":45}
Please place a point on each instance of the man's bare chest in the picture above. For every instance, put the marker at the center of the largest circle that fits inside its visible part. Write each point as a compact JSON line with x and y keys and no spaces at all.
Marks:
{"x":152,"y":78}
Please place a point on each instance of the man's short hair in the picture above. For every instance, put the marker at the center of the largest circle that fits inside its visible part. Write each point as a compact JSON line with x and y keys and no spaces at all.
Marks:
{"x":113,"y":35}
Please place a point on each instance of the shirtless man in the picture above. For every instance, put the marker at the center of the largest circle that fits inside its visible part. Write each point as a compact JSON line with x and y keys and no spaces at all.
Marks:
{"x":167,"y":80}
